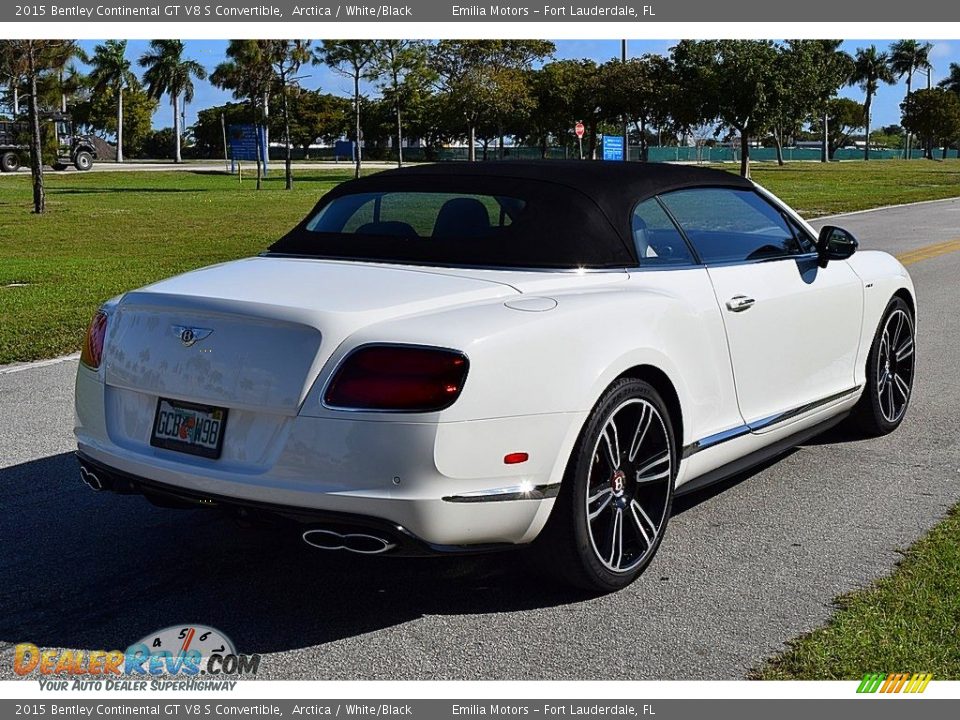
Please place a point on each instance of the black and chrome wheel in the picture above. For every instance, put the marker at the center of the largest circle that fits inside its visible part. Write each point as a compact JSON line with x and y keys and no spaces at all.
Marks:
{"x":890,"y":371}
{"x":615,"y":501}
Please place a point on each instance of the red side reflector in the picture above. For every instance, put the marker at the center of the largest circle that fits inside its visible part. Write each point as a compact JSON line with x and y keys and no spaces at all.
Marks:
{"x":515,"y":458}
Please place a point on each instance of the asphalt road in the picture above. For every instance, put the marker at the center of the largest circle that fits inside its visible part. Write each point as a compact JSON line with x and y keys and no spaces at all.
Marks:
{"x":744,"y":567}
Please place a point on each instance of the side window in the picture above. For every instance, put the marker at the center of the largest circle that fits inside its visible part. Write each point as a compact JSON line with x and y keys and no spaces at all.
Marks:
{"x":727,"y":225}
{"x":657,"y":239}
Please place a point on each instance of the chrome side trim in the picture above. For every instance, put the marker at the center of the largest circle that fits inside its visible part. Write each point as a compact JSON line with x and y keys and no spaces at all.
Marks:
{"x":711,"y":440}
{"x":763,"y":423}
{"x":503,"y":494}
{"x":766,"y":422}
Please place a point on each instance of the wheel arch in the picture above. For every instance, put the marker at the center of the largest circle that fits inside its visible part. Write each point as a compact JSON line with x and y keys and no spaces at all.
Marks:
{"x":665,"y":388}
{"x":905,"y":295}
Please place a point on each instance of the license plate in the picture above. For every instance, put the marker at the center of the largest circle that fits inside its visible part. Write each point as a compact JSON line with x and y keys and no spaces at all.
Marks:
{"x":189,"y":428}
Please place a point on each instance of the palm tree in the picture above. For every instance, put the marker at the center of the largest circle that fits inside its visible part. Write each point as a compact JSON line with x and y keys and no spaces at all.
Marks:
{"x":169,"y":73}
{"x":62,"y":65}
{"x":111,"y":71}
{"x":952,"y":81}
{"x":906,"y":58}
{"x":870,"y":68}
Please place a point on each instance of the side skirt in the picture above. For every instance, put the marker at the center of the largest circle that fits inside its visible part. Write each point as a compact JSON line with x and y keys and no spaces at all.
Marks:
{"x":758,"y":457}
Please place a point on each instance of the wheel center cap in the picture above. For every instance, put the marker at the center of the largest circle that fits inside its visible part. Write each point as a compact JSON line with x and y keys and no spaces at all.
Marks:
{"x":618,"y":482}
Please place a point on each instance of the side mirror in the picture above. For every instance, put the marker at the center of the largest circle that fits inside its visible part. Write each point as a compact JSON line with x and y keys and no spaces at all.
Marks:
{"x":835,"y":243}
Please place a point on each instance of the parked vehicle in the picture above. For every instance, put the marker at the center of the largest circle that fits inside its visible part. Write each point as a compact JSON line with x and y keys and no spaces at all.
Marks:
{"x":71,"y":148}
{"x":473,"y":357}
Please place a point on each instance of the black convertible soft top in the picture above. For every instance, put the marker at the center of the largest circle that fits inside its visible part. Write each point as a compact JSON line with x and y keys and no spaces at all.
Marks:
{"x":577,"y":213}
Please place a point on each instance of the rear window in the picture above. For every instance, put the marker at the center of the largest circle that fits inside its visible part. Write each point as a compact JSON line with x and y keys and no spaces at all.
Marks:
{"x":452,"y":220}
{"x":450,"y":217}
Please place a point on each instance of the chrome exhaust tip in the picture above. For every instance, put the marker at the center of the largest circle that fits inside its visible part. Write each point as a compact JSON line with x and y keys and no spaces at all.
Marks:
{"x":90,"y":479}
{"x":361,"y":543}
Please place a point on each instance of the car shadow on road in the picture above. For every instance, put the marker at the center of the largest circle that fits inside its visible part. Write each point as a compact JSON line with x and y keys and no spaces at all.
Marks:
{"x":90,"y":570}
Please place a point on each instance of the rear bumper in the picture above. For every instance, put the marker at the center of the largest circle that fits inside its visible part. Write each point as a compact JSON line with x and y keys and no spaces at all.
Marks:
{"x":444,"y":484}
{"x":403,"y":542}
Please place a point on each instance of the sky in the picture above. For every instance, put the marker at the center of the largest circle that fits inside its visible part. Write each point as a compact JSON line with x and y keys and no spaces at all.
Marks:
{"x":212,"y":52}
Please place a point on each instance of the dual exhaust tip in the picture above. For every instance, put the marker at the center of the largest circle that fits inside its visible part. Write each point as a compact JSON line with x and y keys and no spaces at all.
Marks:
{"x":355,"y":542}
{"x":320,"y":538}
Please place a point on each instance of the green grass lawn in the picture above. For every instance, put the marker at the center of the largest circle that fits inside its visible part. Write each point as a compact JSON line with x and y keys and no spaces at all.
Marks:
{"x":908,"y":622}
{"x":105,"y":233}
{"x":816,"y":189}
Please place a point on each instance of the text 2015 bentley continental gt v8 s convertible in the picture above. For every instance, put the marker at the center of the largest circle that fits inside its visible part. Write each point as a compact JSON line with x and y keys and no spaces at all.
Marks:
{"x":468,"y":357}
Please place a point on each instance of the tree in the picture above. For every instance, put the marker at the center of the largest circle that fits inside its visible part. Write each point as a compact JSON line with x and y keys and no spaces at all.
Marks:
{"x":286,"y":57}
{"x":315,"y":115}
{"x":906,"y":58}
{"x":842,"y":117}
{"x":66,"y":73}
{"x":934,"y":115}
{"x":870,"y":68}
{"x":249,"y":75}
{"x":33,"y":60}
{"x":952,"y":81}
{"x":633,"y":91}
{"x":952,"y":84}
{"x":737,"y":82}
{"x":169,"y":73}
{"x":111,"y":71}
{"x":401,"y":71}
{"x":352,"y":59}
{"x":810,"y":73}
{"x":97,"y":113}
{"x":485,"y":80}
{"x":691,"y":86}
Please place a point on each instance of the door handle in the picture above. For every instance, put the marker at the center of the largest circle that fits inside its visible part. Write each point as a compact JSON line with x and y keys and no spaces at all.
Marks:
{"x":739,"y":303}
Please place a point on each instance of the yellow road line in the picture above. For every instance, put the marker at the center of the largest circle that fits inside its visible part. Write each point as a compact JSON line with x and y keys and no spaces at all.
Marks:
{"x":929,"y":252}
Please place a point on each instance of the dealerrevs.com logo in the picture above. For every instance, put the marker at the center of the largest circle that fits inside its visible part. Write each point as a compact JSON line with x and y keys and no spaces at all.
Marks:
{"x":179,"y":657}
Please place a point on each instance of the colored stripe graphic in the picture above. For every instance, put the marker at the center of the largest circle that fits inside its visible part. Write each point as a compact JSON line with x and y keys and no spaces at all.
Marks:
{"x":871,"y":682}
{"x":894,"y":683}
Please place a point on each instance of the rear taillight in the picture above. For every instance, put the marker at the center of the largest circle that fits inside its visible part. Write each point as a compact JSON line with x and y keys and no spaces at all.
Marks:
{"x":92,"y":351}
{"x":398,"y":378}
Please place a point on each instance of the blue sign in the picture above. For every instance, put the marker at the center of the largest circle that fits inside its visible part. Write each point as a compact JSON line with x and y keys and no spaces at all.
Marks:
{"x":344,"y":149}
{"x":243,"y":143}
{"x":613,"y":147}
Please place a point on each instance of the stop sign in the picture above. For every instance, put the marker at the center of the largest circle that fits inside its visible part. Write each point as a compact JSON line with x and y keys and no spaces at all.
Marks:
{"x":579,"y":129}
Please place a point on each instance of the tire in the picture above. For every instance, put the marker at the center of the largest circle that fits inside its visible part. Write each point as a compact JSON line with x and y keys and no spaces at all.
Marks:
{"x":83,"y":161}
{"x":9,"y":162}
{"x":891,"y":367}
{"x":602,"y":500}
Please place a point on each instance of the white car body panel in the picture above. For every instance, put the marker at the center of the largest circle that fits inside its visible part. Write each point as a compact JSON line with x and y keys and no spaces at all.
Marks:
{"x":542,"y":348}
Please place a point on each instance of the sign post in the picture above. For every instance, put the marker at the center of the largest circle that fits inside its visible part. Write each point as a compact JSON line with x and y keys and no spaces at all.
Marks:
{"x":579,"y":130}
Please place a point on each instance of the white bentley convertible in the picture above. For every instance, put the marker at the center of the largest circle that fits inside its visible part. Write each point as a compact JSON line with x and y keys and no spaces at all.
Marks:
{"x":471,"y":357}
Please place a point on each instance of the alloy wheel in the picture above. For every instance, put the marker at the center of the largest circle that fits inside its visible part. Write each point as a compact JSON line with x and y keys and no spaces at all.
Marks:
{"x":895,"y":365}
{"x":628,"y":486}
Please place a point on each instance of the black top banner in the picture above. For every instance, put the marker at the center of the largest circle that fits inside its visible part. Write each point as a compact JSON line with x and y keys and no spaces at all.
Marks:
{"x":625,"y":11}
